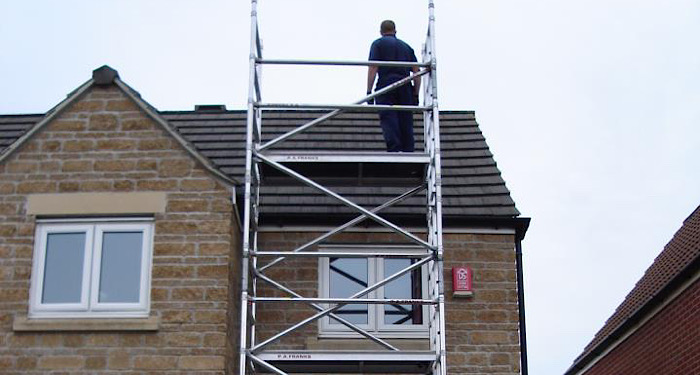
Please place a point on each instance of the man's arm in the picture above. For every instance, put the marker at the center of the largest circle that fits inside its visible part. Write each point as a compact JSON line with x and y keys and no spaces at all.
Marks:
{"x":371,"y":75}
{"x":416,"y":85}
{"x":416,"y":81}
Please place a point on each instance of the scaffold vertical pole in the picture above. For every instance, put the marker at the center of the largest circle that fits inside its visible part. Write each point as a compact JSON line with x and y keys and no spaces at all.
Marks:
{"x":432,"y":144}
{"x":250,"y":195}
{"x":252,"y":354}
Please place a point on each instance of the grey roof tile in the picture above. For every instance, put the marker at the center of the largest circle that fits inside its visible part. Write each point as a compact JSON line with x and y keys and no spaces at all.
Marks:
{"x":13,"y":126}
{"x":472,"y":183}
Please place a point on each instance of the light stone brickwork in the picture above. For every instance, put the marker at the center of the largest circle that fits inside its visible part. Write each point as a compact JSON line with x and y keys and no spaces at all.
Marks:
{"x":103,"y":143}
{"x":482,"y":331}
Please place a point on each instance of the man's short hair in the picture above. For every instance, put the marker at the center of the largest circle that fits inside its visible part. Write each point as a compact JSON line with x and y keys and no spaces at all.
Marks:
{"x":387,"y":27}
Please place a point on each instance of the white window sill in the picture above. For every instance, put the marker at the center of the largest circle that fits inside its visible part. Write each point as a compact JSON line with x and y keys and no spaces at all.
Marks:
{"x":357,"y":343}
{"x":24,"y":324}
{"x":418,"y":334}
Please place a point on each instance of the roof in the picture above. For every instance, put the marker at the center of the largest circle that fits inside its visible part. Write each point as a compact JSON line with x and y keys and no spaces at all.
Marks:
{"x":14,"y":126}
{"x":472,"y":183}
{"x":680,"y":256}
{"x":473,"y":188}
{"x":16,"y":130}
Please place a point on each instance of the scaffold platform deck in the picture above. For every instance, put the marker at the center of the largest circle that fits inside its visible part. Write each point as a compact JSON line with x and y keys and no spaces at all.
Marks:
{"x":354,"y":362}
{"x":350,"y":169}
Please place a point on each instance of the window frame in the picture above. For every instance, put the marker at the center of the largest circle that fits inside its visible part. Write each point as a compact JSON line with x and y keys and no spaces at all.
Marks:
{"x":325,"y":325}
{"x":89,"y":305}
{"x":376,"y":325}
{"x":400,"y":328}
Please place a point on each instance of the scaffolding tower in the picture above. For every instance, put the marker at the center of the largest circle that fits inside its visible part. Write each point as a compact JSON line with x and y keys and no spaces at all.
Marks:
{"x":256,"y":355}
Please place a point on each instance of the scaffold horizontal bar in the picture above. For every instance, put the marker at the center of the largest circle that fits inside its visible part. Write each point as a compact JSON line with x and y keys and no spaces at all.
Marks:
{"x":348,"y":301}
{"x":266,"y":365}
{"x":347,"y":157}
{"x":342,"y":63}
{"x":351,"y":362}
{"x":332,"y":114}
{"x":335,"y":317}
{"x":349,"y":224}
{"x":347,"y":202}
{"x":338,"y":254}
{"x":356,"y":355}
{"x":345,"y":107}
{"x":333,"y":309}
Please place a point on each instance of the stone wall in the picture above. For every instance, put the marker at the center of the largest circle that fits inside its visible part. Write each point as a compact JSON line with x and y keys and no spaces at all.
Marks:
{"x":104,"y":144}
{"x":482,"y":331}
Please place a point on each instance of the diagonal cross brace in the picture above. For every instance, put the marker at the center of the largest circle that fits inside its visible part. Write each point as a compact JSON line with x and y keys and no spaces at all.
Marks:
{"x":348,"y":224}
{"x":338,"y":306}
{"x":334,"y":316}
{"x":265,"y":364}
{"x":337,"y":112}
{"x":346,"y":201}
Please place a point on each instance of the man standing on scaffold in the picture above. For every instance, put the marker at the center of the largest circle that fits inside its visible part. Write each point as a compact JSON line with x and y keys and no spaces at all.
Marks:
{"x":397,"y":126}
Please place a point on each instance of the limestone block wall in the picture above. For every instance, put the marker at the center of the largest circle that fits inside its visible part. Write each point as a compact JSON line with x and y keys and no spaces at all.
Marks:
{"x":482,"y":331}
{"x":103,"y":144}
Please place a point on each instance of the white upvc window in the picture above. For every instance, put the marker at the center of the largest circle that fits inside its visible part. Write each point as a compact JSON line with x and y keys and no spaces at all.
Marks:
{"x":342,"y":277}
{"x":91,"y":269}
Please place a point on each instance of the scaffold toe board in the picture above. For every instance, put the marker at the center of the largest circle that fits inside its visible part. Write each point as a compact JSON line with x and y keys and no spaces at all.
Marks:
{"x":375,"y":157}
{"x":350,"y":362}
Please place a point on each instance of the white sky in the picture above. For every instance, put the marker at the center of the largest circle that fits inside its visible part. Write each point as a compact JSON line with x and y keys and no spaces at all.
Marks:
{"x":590,"y":107}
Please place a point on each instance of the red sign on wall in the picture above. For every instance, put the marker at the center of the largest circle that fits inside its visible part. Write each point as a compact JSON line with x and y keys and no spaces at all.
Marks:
{"x":462,"y":282}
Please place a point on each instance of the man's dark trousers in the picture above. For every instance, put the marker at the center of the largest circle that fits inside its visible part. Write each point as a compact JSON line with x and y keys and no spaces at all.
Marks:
{"x":397,"y":126}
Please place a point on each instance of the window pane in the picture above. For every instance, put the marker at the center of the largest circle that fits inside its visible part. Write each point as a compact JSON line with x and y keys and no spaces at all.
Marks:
{"x":347,"y":277}
{"x":63,"y":270}
{"x":408,"y":286}
{"x":120,"y":271}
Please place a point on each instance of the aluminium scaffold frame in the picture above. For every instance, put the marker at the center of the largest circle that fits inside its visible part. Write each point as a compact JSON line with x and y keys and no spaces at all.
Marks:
{"x":253,"y":356}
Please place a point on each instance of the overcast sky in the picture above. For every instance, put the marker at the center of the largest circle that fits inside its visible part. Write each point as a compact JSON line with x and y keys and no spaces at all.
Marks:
{"x":592,"y":108}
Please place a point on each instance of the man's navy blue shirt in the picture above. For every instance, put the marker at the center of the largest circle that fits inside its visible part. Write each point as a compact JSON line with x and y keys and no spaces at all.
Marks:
{"x":390,"y":48}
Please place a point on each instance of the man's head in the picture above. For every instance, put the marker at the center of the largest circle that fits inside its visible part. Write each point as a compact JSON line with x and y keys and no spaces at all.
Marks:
{"x":387,"y":28}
